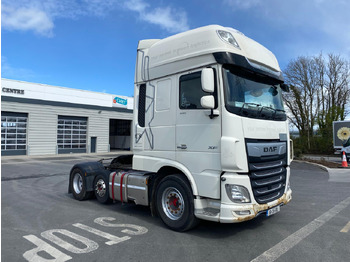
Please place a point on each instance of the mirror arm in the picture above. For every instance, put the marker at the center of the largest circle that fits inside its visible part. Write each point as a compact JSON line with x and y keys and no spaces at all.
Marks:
{"x":212,"y":115}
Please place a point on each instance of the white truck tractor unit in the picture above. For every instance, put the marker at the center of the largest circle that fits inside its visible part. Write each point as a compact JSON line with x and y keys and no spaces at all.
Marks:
{"x":210,"y":134}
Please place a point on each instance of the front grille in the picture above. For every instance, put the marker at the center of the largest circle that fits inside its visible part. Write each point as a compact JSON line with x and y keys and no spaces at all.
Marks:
{"x":267,"y":175}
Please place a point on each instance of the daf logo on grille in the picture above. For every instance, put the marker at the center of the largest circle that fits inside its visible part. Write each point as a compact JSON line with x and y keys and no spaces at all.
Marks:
{"x":270,"y":149}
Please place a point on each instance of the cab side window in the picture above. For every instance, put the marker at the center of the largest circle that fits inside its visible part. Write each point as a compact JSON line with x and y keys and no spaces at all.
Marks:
{"x":191,"y":91}
{"x":142,"y":106}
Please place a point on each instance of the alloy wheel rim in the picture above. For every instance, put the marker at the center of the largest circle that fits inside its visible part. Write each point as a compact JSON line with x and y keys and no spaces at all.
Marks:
{"x":173,"y":203}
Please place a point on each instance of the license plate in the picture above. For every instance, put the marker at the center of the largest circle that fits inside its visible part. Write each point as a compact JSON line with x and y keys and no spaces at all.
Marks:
{"x":273,"y":211}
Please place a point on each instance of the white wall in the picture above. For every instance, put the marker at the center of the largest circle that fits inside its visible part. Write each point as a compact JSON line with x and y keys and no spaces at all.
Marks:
{"x":62,"y":94}
{"x":42,"y":125}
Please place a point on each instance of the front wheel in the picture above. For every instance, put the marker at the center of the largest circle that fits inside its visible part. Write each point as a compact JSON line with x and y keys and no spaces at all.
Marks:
{"x":175,"y":203}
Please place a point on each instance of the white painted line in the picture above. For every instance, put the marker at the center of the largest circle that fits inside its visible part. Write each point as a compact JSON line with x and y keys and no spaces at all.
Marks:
{"x":139,"y":229}
{"x":113,"y":239}
{"x":346,"y":228}
{"x":89,"y":244}
{"x":288,"y":243}
{"x":33,"y":255}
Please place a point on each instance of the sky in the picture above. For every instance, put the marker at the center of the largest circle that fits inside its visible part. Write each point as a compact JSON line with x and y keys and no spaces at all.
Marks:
{"x":91,"y":44}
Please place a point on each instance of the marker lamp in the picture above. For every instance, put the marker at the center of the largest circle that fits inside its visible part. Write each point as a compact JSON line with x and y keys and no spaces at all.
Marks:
{"x":228,"y":38}
{"x":237,"y":194}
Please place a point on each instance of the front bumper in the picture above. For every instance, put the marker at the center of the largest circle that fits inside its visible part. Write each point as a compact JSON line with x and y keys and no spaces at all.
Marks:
{"x":230,"y":213}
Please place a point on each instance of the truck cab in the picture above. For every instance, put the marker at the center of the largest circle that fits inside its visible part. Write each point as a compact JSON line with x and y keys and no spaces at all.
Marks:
{"x":234,"y":152}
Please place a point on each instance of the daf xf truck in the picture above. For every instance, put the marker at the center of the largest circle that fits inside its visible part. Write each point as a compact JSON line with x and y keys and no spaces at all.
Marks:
{"x":210,"y":134}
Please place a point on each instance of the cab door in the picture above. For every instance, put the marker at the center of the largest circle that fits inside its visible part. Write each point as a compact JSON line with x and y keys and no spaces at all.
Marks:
{"x":198,"y":135}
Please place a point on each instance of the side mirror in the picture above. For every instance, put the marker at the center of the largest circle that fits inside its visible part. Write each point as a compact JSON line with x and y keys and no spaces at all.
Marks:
{"x":207,"y":80}
{"x":208,"y":102}
{"x":285,"y":87}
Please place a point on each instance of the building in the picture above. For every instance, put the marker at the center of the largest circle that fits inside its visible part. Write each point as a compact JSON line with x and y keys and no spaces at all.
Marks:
{"x":38,"y":119}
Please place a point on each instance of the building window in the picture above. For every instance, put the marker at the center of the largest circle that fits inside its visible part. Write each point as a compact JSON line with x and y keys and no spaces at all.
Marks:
{"x":71,"y":134}
{"x":14,"y":131}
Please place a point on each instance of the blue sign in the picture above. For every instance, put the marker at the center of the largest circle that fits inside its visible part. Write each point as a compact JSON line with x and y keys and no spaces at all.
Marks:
{"x":121,"y":101}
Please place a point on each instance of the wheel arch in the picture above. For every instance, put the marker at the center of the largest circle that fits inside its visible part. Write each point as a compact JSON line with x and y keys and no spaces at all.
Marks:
{"x":90,"y":170}
{"x":165,"y":171}
{"x":172,"y":170}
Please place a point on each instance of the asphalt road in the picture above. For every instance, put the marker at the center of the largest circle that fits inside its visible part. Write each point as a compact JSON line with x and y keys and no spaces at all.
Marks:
{"x":40,"y":220}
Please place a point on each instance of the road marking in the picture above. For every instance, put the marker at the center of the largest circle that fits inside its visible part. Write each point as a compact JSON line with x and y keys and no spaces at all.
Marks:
{"x":139,"y":229}
{"x":36,"y":253}
{"x":288,"y":243}
{"x":43,"y":247}
{"x":112,"y":239}
{"x":89,"y":244}
{"x":346,"y":228}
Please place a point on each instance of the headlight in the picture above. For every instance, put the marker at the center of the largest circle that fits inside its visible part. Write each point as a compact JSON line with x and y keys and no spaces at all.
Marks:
{"x":228,"y":38}
{"x":237,"y":194}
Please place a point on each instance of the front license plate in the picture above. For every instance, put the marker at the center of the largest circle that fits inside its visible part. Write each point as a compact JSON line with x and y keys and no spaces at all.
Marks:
{"x":273,"y":211}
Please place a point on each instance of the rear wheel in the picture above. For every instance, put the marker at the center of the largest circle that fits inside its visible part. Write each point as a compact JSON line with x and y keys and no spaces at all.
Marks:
{"x":175,"y":203}
{"x":101,"y":189}
{"x":78,"y":185}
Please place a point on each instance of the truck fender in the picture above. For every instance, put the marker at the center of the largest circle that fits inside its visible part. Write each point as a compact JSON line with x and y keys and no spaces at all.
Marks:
{"x":182,"y":169}
{"x":90,"y":171}
{"x":156,"y":165}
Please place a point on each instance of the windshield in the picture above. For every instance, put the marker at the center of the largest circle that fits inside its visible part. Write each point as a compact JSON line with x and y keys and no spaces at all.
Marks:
{"x":252,"y":95}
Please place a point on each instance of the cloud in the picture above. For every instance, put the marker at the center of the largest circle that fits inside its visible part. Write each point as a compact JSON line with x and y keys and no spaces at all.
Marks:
{"x":316,"y":22}
{"x":39,"y":16}
{"x":136,"y":5}
{"x":242,"y":4}
{"x":27,"y":19}
{"x":168,"y":18}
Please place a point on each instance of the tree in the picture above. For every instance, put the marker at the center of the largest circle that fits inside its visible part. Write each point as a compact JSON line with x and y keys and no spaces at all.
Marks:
{"x":302,"y":77}
{"x":319,"y":94}
{"x":334,"y":93}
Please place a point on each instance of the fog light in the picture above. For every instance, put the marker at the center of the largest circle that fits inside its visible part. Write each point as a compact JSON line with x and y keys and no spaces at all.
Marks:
{"x":237,"y":194}
{"x":243,"y":213}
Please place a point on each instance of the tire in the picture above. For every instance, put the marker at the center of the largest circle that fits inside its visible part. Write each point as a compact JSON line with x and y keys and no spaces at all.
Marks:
{"x":101,"y":189}
{"x":175,"y":205}
{"x":78,"y":185}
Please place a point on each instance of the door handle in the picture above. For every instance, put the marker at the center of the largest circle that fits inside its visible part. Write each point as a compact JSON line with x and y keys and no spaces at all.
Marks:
{"x":182,"y":147}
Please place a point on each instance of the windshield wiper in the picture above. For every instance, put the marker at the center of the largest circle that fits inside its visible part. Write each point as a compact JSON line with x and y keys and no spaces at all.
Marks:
{"x":280,"y":110}
{"x":259,"y":111}
{"x":275,"y":110}
{"x":247,"y":111}
{"x":249,"y":104}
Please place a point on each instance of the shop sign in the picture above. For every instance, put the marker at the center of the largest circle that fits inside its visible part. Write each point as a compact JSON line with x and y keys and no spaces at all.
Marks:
{"x":118,"y":101}
{"x":12,"y":91}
